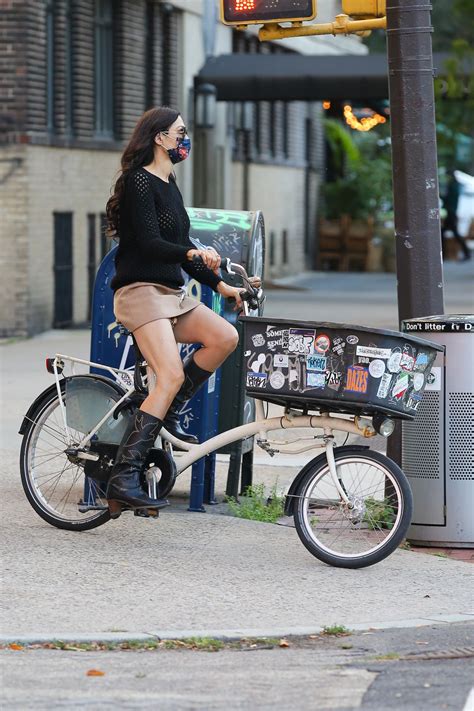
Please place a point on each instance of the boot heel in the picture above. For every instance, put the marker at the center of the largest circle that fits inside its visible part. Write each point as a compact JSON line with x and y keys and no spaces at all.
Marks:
{"x":115,"y":508}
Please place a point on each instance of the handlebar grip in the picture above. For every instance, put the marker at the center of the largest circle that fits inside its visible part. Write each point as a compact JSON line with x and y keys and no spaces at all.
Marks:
{"x":225,"y":262}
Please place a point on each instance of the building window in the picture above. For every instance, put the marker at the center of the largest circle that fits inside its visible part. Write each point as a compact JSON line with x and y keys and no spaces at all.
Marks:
{"x":91,"y":257}
{"x":106,"y":243}
{"x":63,"y":270}
{"x":284,"y":246}
{"x":50,"y":94}
{"x":285,"y":129}
{"x":68,"y":70}
{"x":103,"y":69}
{"x":272,"y":248}
{"x":167,"y":42}
{"x":149,"y":54}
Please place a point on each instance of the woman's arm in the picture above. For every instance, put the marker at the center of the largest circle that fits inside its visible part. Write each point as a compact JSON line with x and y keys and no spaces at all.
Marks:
{"x":198,"y":270}
{"x":141,"y":204}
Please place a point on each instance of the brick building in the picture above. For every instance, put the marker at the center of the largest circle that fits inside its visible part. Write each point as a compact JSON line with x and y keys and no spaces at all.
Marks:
{"x":75,"y":76}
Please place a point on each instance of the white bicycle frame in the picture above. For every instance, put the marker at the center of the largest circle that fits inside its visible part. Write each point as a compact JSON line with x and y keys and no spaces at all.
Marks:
{"x":262,"y":425}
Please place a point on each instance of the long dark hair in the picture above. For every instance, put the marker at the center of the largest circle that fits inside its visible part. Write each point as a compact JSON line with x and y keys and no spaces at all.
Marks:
{"x":139,"y":152}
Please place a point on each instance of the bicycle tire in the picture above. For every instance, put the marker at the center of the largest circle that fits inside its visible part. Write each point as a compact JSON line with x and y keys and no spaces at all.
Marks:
{"x":49,"y":400}
{"x":341,"y":522}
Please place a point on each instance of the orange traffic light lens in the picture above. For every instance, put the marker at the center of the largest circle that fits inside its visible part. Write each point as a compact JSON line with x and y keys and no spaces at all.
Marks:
{"x":261,"y":11}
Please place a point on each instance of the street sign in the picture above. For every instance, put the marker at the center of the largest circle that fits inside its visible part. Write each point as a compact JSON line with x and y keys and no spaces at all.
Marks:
{"x":259,"y":12}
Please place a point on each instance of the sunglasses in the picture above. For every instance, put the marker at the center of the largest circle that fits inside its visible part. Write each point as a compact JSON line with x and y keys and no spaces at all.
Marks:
{"x":182,"y":131}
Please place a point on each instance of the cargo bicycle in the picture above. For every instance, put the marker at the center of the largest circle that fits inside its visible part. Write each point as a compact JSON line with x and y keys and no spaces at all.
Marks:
{"x":351,"y":506}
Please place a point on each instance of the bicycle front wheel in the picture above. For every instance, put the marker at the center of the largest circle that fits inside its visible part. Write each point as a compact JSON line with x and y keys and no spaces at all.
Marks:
{"x":368,"y":527}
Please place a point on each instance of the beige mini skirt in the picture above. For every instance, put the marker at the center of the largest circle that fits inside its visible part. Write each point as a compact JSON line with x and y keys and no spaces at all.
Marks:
{"x":141,"y":302}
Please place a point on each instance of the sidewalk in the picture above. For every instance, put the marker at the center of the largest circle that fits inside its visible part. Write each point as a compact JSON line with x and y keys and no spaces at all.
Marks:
{"x":192,"y":573}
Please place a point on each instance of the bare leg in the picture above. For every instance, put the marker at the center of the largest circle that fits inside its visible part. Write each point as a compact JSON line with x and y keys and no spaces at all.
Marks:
{"x":157,"y":343}
{"x":218,"y":337}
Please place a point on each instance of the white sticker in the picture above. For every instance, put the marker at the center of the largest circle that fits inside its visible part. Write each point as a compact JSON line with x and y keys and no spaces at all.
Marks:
{"x":258,"y":340}
{"x":393,"y":364}
{"x":433,"y":380}
{"x":247,"y":353}
{"x":352,"y":340}
{"x":400,"y":387}
{"x":376,"y":368}
{"x":407,"y":362}
{"x":382,"y":392}
{"x":280,"y":360}
{"x":211,"y":383}
{"x":372,"y":352}
{"x":418,"y":381}
{"x":257,"y":363}
{"x":277,"y":380}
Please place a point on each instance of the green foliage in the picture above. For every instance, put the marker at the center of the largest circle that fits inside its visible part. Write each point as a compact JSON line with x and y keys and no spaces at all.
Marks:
{"x":378,"y":514}
{"x":255,"y":505}
{"x":336,"y":630}
{"x":365,"y":190}
{"x":342,"y":147}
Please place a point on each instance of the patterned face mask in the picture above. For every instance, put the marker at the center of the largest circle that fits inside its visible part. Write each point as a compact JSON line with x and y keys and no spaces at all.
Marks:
{"x":181,"y":151}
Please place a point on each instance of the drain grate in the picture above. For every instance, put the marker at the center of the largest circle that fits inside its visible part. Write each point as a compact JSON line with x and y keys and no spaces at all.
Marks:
{"x":457,"y":653}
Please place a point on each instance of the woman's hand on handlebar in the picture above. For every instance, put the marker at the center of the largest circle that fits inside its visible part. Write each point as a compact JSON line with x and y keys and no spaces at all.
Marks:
{"x":231,"y":292}
{"x":209,"y":256}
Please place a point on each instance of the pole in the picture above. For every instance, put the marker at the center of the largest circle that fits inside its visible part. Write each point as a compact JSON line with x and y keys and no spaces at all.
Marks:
{"x":414,"y":160}
{"x":414,"y":166}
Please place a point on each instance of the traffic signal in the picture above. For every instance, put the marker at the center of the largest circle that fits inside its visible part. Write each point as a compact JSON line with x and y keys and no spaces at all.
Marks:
{"x":362,"y":9}
{"x":259,"y":12}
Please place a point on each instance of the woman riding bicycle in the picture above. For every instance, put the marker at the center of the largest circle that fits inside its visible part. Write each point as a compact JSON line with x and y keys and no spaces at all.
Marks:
{"x":147,"y":215}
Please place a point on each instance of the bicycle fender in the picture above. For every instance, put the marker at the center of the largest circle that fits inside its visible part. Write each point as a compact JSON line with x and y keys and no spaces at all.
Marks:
{"x":38,"y":402}
{"x":290,"y":500}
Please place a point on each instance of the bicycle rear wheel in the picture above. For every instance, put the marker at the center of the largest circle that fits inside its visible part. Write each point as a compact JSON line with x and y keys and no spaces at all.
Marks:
{"x":368,"y":528}
{"x":54,"y":480}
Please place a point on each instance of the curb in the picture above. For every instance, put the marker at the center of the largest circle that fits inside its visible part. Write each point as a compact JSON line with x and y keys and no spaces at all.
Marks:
{"x":227,"y":635}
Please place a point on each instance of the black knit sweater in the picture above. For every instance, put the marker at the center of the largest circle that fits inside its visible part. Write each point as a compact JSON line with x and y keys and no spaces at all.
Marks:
{"x":154,"y":235}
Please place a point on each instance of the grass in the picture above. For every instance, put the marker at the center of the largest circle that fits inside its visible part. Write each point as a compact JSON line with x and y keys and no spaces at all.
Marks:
{"x":336,"y":630}
{"x":255,"y":505}
{"x":378,"y":514}
{"x":390,"y":656}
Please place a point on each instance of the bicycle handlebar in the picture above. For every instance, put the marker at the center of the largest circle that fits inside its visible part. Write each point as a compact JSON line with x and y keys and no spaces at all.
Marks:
{"x":252,"y":296}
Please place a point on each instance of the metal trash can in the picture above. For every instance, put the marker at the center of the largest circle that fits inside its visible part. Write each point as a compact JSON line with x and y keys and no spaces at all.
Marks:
{"x":438,"y":447}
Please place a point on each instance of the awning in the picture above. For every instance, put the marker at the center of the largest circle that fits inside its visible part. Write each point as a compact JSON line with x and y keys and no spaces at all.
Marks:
{"x":297,"y":77}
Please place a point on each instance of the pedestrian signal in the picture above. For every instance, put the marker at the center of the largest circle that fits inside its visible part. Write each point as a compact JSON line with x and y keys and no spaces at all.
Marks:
{"x":362,"y":9}
{"x":259,"y":12}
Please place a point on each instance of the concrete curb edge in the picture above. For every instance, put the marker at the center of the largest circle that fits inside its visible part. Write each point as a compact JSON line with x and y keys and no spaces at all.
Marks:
{"x":227,"y":635}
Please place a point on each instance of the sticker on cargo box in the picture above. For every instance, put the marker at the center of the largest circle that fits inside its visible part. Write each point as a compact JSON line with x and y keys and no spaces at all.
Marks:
{"x":376,"y":368}
{"x":384,"y":386}
{"x":373,"y":352}
{"x":316,"y":380}
{"x":301,"y":340}
{"x":322,"y":343}
{"x":277,"y":380}
{"x":352,"y":340}
{"x":407,"y":362}
{"x":333,"y":379}
{"x":276,"y":338}
{"x":256,"y":380}
{"x":280,"y":360}
{"x":421,"y":362}
{"x":338,"y":345}
{"x":258,"y":340}
{"x":357,"y":379}
{"x":401,"y":386}
{"x":418,"y":381}
{"x":433,"y":380}
{"x":316,"y":362}
{"x":393,"y":364}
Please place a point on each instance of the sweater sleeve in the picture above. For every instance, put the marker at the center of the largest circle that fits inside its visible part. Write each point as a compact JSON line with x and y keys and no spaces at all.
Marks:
{"x":145,"y":222}
{"x":202,"y":274}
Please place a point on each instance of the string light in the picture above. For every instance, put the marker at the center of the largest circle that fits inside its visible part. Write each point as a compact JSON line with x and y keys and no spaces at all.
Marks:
{"x":366,"y":123}
{"x":326,"y":105}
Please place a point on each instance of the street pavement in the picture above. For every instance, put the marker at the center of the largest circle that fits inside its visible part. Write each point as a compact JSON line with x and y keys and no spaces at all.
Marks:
{"x":204,"y":574}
